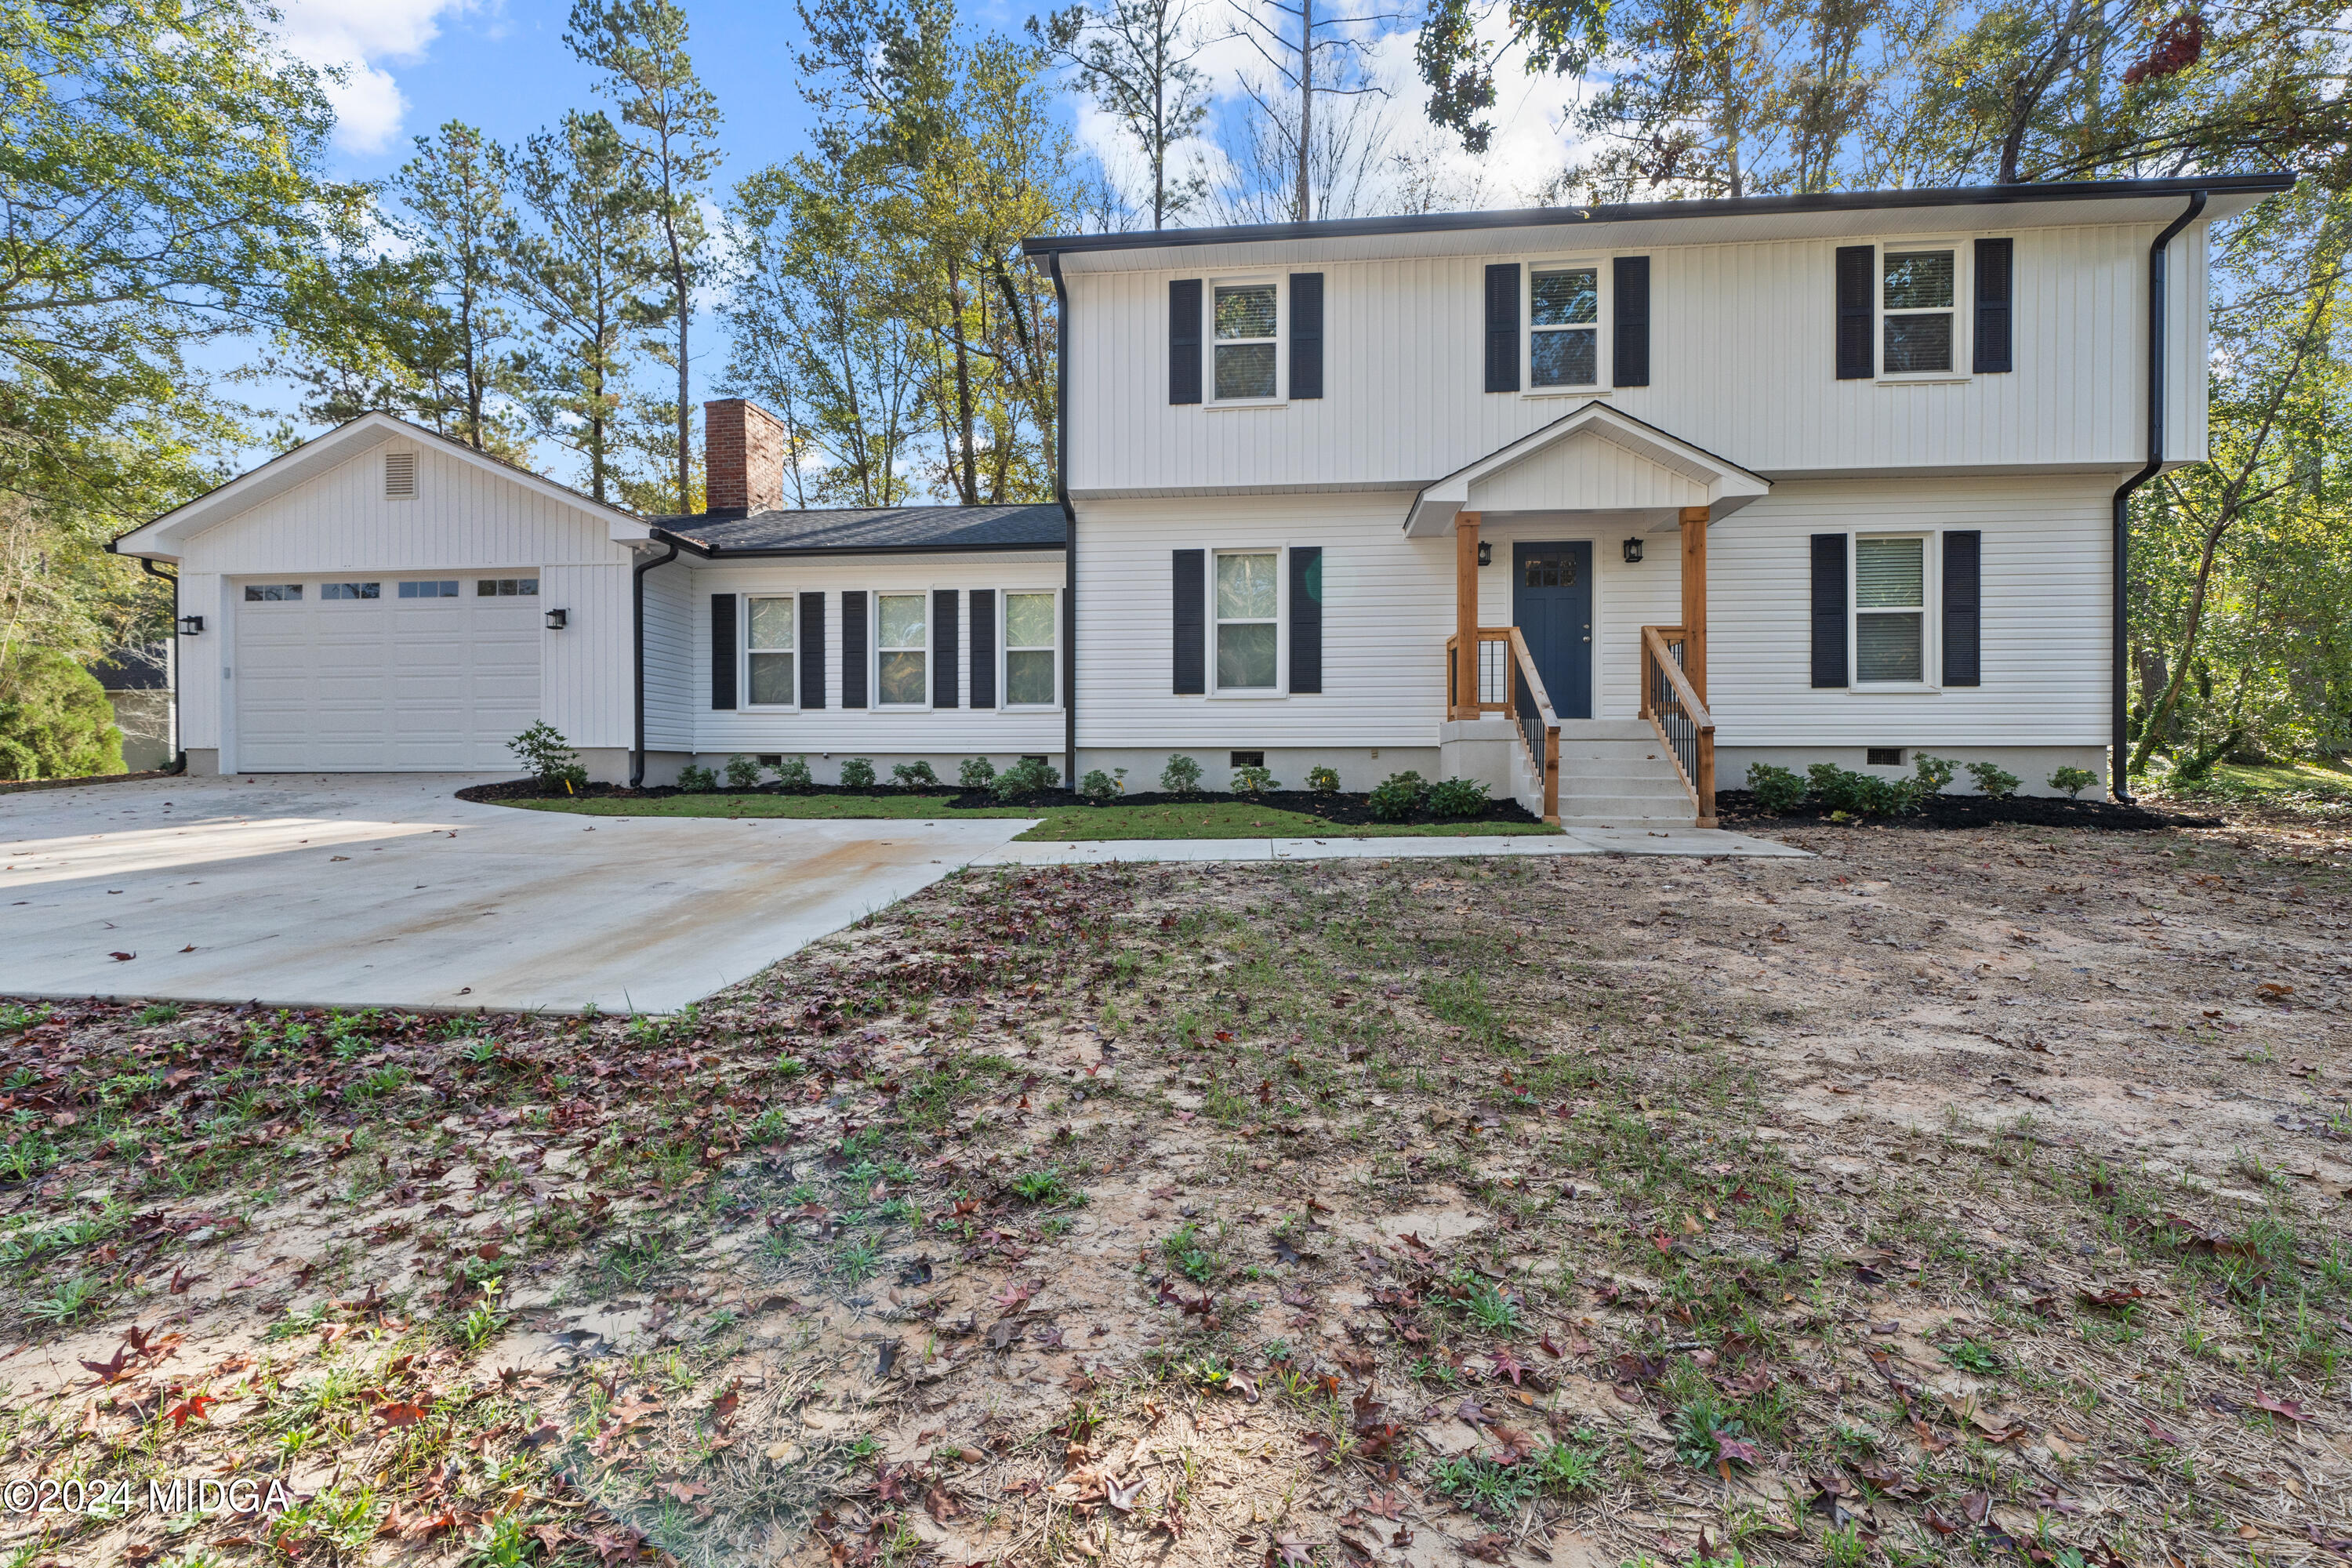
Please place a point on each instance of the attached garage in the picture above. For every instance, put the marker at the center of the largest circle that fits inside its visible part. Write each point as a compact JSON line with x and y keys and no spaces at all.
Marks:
{"x":385,"y":600}
{"x":413,"y":674}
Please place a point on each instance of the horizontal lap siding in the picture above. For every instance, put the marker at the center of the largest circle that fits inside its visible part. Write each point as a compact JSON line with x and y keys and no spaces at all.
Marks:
{"x":670,"y":660}
{"x":2045,"y":620}
{"x":1388,"y":608}
{"x":1741,"y":345}
{"x":965,"y":731}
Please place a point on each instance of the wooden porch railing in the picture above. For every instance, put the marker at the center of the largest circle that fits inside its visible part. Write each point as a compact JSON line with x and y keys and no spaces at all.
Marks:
{"x":1508,"y":684}
{"x":1673,"y":707}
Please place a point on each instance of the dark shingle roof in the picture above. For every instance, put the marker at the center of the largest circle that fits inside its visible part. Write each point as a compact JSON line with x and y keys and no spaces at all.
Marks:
{"x":863,"y":531}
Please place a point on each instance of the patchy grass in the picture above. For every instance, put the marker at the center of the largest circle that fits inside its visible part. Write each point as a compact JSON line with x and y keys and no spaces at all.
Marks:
{"x":2294,"y":787}
{"x":1914,"y":1205}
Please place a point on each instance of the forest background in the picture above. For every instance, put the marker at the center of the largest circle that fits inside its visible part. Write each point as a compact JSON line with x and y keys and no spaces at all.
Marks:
{"x":190,"y":278}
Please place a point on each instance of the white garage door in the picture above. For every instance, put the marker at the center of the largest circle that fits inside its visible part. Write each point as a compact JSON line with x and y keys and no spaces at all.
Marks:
{"x":384,"y":674}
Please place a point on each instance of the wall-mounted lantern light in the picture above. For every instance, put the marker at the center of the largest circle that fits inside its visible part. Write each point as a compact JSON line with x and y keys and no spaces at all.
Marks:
{"x":555,"y":619}
{"x":1485,"y":553}
{"x":192,"y":625}
{"x":1633,"y":551}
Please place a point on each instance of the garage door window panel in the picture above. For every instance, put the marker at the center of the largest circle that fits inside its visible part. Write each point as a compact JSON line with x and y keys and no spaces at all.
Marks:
{"x":506,"y":587}
{"x":439,"y":588}
{"x":769,"y":655}
{"x":902,"y":657}
{"x":350,"y":590}
{"x":273,"y":593}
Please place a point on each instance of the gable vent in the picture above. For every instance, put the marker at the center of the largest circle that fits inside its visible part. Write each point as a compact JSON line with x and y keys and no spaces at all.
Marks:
{"x":399,"y":475}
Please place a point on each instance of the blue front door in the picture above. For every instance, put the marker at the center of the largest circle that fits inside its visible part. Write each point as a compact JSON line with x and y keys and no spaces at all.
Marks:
{"x":1551,"y":603}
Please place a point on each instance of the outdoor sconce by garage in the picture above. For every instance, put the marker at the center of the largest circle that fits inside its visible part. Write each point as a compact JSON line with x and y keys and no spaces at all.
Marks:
{"x":1633,"y":551}
{"x":192,"y":625}
{"x":1485,"y":553}
{"x":555,"y":619}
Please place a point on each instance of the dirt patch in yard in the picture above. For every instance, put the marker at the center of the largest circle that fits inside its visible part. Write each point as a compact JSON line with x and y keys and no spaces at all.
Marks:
{"x":1970,"y":1193}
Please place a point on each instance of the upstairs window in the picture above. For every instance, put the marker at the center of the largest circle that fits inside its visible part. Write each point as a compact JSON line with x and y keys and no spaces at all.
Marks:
{"x":1564,"y":327}
{"x":902,"y":657}
{"x":1916,"y":311}
{"x":1246,"y":315}
{"x":1249,"y":603}
{"x":1029,"y":654}
{"x":1890,"y":609}
{"x":770,"y":654}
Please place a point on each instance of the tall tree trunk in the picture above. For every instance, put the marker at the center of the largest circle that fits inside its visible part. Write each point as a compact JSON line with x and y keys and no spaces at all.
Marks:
{"x":1304,"y":203}
{"x":963,"y":385}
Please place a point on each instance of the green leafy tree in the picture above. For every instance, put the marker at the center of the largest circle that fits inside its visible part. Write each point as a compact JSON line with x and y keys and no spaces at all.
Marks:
{"x":455,"y":213}
{"x":1135,"y":58}
{"x":54,"y":721}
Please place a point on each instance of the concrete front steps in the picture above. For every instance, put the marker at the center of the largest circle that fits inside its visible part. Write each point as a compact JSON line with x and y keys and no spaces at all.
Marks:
{"x":1613,"y":772}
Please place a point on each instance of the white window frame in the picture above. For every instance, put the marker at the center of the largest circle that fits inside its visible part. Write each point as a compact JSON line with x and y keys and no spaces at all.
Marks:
{"x":1931,"y":616}
{"x":875,"y":651}
{"x":744,"y":671}
{"x":1004,"y":651}
{"x":1209,"y":340}
{"x":1963,"y":298}
{"x":1212,"y":620}
{"x":1602,"y":347}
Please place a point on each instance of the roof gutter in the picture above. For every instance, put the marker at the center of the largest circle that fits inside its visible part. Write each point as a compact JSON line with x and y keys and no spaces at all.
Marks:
{"x":2119,"y":671}
{"x":637,"y":609}
{"x":771,"y":552}
{"x":1070,"y":520}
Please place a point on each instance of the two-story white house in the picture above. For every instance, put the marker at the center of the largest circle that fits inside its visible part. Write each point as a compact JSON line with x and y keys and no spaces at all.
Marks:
{"x":1600,"y":504}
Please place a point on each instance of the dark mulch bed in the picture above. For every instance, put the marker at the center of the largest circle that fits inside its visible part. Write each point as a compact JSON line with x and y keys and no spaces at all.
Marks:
{"x":1341,"y":810}
{"x":1737,"y":807}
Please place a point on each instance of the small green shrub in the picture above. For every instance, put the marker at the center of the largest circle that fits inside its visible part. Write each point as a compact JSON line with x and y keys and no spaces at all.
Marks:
{"x":792,"y":775}
{"x":857,"y":773}
{"x":1254,"y":781}
{"x":549,"y":757}
{"x":1863,"y":795}
{"x":695,"y":779}
{"x":914,"y":776}
{"x":1776,"y":789}
{"x":1934,"y":773}
{"x":743,"y":773}
{"x":977,"y":773}
{"x":1457,"y":798}
{"x":2072,"y":780}
{"x":1180,"y":776}
{"x":57,"y":721}
{"x":1030,"y":775}
{"x":1098,"y":786}
{"x":1993,"y":781}
{"x":1323,"y":780}
{"x":1398,"y":796}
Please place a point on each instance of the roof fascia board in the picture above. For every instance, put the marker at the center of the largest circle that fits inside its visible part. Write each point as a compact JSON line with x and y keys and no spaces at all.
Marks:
{"x":1730,"y":487}
{"x":753,"y":552}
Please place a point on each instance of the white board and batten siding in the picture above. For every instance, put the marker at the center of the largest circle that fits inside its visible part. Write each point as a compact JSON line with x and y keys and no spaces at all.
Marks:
{"x":1742,"y":349}
{"x":826,"y":738}
{"x":465,"y":522}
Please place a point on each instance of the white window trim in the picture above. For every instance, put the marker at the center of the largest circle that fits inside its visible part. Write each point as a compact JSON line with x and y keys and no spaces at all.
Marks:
{"x":1931,"y":614}
{"x":1963,"y":302}
{"x":1209,"y":286}
{"x":1280,"y":689}
{"x":1604,"y":348}
{"x":744,"y":651}
{"x":1004,"y":648}
{"x":875,"y":650}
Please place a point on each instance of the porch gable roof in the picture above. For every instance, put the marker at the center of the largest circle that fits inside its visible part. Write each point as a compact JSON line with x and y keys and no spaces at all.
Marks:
{"x":1592,"y":458}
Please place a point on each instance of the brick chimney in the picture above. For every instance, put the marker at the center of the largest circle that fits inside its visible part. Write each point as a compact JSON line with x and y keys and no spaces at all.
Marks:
{"x":743,"y":458}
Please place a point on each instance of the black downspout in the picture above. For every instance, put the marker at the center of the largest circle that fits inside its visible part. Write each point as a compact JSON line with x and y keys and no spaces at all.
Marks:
{"x":2119,"y":676}
{"x":637,"y":608}
{"x":1069,"y":521}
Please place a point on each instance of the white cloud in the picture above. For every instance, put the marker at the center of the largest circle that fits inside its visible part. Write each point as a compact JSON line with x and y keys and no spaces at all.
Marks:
{"x":362,"y":37}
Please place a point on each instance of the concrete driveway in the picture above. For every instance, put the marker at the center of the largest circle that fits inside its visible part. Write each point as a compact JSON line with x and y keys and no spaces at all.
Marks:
{"x":358,"y":891}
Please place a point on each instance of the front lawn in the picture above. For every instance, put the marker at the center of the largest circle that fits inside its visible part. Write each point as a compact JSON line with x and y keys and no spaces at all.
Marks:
{"x":2293,"y":787}
{"x":1209,"y":816}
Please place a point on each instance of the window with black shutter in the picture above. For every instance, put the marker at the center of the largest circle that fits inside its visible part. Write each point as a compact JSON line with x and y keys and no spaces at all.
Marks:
{"x":983,"y":647}
{"x":1857,"y":355}
{"x":1306,"y":619}
{"x":1996,"y":283}
{"x":946,"y":688}
{"x":1963,"y":607}
{"x":1503,"y":326}
{"x":812,"y":651}
{"x":1184,"y":340}
{"x":1829,"y":610}
{"x":722,"y":651}
{"x":1306,"y":334}
{"x":853,"y":649}
{"x":1629,"y":353}
{"x":1190,"y":630}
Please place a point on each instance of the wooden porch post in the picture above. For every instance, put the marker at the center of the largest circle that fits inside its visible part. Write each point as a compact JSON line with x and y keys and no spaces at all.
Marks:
{"x":1695,"y":598}
{"x":1465,"y":614}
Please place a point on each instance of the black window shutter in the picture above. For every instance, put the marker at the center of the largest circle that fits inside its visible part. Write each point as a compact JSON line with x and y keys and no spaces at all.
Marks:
{"x":853,"y":649}
{"x":946,"y":684}
{"x":983,"y":647}
{"x":1190,"y":630}
{"x":1996,"y":283}
{"x":1306,"y":334}
{"x":722,"y":651}
{"x":1306,"y":618}
{"x":1630,"y":358}
{"x":812,"y":651}
{"x":1857,"y":355}
{"x":1184,"y":340}
{"x":1829,"y":610}
{"x":1503,"y":326}
{"x":1963,"y":607}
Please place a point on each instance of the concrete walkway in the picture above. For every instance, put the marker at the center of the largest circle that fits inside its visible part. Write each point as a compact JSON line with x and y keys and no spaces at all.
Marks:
{"x":363,"y":890}
{"x":1573,"y":841}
